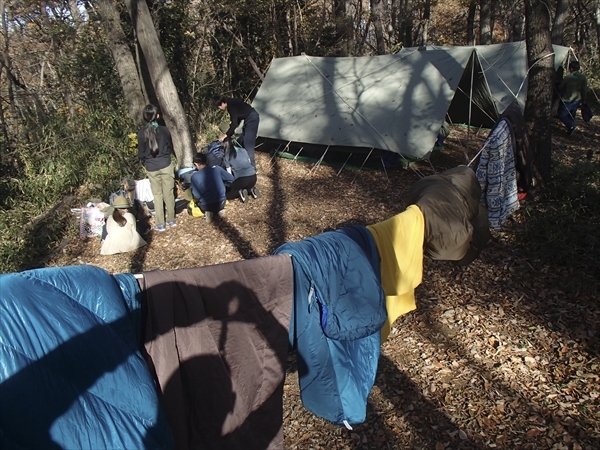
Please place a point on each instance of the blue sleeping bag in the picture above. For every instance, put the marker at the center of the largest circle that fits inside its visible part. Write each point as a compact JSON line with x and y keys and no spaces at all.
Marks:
{"x":71,"y":373}
{"x":337,"y":315}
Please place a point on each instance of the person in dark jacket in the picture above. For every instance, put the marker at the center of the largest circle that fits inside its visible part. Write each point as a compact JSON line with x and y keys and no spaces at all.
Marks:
{"x":573,"y":90}
{"x":155,"y":148}
{"x":240,"y":110}
{"x":208,"y":187}
{"x":238,"y":162}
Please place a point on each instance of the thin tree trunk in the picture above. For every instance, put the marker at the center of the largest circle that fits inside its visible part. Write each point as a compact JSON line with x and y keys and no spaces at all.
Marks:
{"x":406,"y":23}
{"x":540,"y":60}
{"x":164,"y":87}
{"x":124,"y":62}
{"x":6,"y":60}
{"x":471,"y":22}
{"x":376,"y":16}
{"x":485,"y":22}
{"x":560,"y":19}
{"x":598,"y":28}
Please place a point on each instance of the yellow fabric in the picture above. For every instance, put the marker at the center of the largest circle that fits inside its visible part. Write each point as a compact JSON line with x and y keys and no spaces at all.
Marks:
{"x":195,"y":210}
{"x":399,"y":241}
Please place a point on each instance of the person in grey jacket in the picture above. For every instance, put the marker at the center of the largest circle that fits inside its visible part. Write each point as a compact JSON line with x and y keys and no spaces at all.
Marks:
{"x":238,"y":162}
{"x":155,"y":148}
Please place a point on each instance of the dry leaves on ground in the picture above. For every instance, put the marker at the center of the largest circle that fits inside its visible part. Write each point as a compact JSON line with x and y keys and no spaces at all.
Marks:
{"x":499,"y":354}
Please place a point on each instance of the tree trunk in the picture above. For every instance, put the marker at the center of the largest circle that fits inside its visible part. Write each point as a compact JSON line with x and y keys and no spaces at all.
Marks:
{"x":517,"y":21}
{"x":560,"y":19}
{"x":485,"y":22}
{"x":471,"y":22}
{"x":540,"y":60}
{"x":169,"y":103}
{"x":124,"y":62}
{"x":598,"y":29}
{"x":344,"y":31}
{"x":376,"y":16}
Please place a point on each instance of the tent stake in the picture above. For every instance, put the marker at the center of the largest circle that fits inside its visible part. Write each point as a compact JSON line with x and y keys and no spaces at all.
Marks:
{"x":276,"y":151}
{"x":298,"y":154}
{"x":363,"y":164}
{"x":318,"y":163}
{"x":344,"y":165}
{"x":384,"y":170}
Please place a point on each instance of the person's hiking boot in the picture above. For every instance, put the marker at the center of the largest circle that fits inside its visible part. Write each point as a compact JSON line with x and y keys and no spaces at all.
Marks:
{"x":571,"y":130}
{"x":209,"y":216}
{"x":243,"y":195}
{"x":172,"y":224}
{"x":160,"y":228}
{"x":221,"y":213}
{"x":255,"y":193}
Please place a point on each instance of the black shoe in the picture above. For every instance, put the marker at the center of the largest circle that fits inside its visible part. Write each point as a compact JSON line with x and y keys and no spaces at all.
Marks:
{"x":570,"y":131}
{"x":243,"y":195}
{"x":255,"y":193}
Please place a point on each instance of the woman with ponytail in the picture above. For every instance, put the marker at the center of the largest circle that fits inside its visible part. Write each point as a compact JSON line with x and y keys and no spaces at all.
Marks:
{"x":155,"y":148}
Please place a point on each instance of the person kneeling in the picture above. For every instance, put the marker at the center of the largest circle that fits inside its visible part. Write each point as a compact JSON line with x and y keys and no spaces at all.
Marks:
{"x":122,"y":236}
{"x":208,"y":186}
{"x":237,"y":161}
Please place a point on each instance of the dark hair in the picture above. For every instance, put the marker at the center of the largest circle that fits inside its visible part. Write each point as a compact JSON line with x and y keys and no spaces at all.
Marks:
{"x":200,"y":158}
{"x":218,"y":99}
{"x":574,"y":65}
{"x":118,"y":216}
{"x":149,"y":115}
{"x":229,"y":149}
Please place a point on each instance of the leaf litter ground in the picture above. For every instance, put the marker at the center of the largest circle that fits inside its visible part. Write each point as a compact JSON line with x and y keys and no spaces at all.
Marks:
{"x":503,"y":353}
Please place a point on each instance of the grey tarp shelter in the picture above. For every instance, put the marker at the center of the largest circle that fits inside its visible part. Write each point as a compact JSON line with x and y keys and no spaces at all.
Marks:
{"x":392,"y":102}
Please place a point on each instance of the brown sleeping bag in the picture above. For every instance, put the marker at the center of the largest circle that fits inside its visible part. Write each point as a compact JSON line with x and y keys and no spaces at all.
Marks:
{"x":456,"y":224}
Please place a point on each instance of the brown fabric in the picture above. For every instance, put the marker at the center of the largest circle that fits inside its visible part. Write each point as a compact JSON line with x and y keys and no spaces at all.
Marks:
{"x":450,"y":205}
{"x":217,"y":339}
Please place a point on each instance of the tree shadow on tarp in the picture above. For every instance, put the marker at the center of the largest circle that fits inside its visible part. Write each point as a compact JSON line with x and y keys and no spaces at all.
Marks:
{"x":31,"y":403}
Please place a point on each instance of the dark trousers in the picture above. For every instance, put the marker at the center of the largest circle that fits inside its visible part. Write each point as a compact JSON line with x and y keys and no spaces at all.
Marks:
{"x":239,"y":184}
{"x":249,"y":132}
{"x":567,"y":112}
{"x":212,"y":207}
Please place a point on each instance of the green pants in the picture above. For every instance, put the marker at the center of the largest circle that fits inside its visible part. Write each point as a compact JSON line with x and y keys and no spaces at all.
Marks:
{"x":162,"y":183}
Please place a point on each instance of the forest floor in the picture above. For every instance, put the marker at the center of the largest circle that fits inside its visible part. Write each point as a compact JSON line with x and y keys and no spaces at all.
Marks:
{"x":503,"y":353}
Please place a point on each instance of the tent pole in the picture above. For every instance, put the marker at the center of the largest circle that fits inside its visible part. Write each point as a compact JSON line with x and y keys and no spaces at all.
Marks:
{"x":363,"y":164}
{"x":344,"y":165}
{"x":470,"y":105}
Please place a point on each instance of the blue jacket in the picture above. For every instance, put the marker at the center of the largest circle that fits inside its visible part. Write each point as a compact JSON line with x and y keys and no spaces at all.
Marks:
{"x":338,"y":312}
{"x":208,"y":185}
{"x":71,"y":373}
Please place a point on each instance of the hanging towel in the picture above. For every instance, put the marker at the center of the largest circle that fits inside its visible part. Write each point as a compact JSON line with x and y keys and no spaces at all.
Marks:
{"x":336,"y":320}
{"x":399,"y":240}
{"x":217,"y":338}
{"x":497,"y":175}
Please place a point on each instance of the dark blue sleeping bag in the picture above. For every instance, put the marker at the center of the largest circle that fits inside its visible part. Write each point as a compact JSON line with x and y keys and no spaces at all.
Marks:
{"x":71,"y":373}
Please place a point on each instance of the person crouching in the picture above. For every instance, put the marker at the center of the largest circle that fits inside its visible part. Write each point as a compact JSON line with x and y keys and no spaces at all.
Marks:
{"x":122,"y":236}
{"x":208,"y":187}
